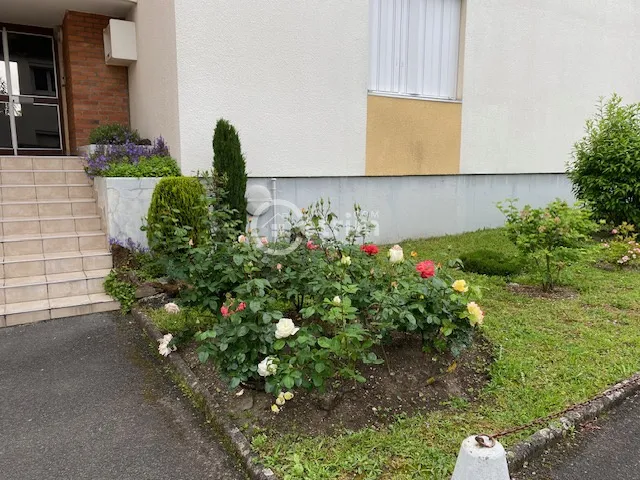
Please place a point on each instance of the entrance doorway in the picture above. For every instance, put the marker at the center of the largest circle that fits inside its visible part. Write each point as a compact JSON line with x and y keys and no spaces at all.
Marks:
{"x":30,"y":116}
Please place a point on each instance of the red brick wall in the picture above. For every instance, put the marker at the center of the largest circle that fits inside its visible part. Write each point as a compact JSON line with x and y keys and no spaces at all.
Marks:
{"x":96,"y":93}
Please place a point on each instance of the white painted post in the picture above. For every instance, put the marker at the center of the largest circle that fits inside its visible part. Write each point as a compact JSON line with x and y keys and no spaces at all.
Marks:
{"x":476,"y":462}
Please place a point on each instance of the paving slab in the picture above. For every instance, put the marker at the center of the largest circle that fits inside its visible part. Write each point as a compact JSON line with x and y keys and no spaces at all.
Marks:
{"x":83,"y":398}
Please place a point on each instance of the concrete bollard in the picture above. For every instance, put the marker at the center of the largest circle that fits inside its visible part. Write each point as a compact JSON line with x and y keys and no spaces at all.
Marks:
{"x":476,"y":462}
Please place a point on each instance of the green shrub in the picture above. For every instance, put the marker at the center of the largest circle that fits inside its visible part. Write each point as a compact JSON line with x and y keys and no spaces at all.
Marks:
{"x":550,"y":236}
{"x":229,"y":163}
{"x":155,"y":166}
{"x":491,"y":262}
{"x":606,"y":167}
{"x":311,"y":314}
{"x":177,"y":202}
{"x":121,"y":290}
{"x":113,"y":134}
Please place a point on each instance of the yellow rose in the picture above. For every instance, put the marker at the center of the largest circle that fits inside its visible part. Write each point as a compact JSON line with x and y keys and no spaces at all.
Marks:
{"x":414,"y":254}
{"x":275,"y":409}
{"x":460,"y":286}
{"x":476,"y":314}
{"x":288,"y":396}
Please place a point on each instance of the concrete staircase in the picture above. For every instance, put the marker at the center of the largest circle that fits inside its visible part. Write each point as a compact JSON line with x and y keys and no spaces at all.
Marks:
{"x":54,"y":255}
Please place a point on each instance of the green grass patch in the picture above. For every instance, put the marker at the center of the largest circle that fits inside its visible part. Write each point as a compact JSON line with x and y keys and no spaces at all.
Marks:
{"x":549,"y":354}
{"x":184,"y":323}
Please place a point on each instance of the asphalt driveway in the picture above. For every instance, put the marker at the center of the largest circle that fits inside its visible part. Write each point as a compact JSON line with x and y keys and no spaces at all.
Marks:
{"x":83,"y":398}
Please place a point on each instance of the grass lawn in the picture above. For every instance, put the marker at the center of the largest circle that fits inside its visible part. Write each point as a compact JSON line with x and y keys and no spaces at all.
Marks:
{"x":549,"y":354}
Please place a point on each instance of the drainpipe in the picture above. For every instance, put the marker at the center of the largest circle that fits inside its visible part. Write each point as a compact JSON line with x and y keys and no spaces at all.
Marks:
{"x":274,"y":200}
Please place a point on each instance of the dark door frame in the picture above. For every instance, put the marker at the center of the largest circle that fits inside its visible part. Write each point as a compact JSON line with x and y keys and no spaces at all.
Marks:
{"x":46,"y":32}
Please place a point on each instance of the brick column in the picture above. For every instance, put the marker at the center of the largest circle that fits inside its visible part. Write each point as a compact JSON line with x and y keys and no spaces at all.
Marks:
{"x":96,"y":93}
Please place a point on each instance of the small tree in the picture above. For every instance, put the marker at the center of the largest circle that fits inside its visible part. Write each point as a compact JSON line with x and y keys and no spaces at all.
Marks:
{"x":606,"y":167}
{"x":229,"y":164}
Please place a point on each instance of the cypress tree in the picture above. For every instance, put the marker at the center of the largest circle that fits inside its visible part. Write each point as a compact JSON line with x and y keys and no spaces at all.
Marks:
{"x":228,"y":161}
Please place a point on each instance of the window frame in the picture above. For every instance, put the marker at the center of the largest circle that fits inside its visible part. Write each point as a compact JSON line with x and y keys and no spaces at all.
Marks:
{"x":459,"y":68}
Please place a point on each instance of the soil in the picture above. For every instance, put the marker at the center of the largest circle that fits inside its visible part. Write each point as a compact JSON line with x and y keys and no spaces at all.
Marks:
{"x":122,"y":257}
{"x":535,"y":291}
{"x":410,"y":382}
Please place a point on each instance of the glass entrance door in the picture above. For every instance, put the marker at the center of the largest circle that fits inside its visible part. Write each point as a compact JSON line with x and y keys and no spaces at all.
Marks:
{"x":30,"y":121}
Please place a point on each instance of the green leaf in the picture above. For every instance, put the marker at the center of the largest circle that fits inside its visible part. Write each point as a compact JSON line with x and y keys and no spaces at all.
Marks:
{"x":203,"y":356}
{"x":242,"y":331}
{"x":320,"y":367}
{"x":279,"y":344}
{"x":235,"y":381}
{"x":254,"y":306}
{"x":288,"y":382}
{"x":324,"y":342}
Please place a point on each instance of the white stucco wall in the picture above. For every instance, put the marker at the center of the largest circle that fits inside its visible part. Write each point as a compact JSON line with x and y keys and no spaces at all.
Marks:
{"x":291,"y":75}
{"x":153,"y":78}
{"x":533,"y":71}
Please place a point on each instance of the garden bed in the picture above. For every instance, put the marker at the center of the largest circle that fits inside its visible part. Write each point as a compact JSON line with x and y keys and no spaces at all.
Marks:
{"x":413,"y":382}
{"x":548,"y":353}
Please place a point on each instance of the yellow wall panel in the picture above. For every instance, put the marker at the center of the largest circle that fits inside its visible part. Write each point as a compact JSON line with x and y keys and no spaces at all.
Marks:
{"x":412,"y":137}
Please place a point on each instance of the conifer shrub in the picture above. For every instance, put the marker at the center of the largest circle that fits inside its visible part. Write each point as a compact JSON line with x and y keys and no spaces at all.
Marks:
{"x":229,"y":164}
{"x":177,"y":202}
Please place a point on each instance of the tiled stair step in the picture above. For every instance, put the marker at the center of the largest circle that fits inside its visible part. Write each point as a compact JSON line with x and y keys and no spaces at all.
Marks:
{"x":48,"y":208}
{"x":45,"y":192}
{"x":52,"y":263}
{"x":13,"y":245}
{"x":44,"y":177}
{"x":35,"y":225}
{"x":47,"y":287}
{"x":41,"y":163}
{"x":35,"y":311}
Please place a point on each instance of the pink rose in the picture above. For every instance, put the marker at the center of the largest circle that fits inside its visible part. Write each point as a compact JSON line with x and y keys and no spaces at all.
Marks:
{"x":312,"y":246}
{"x":241,"y":307}
{"x":279,"y":267}
{"x":224,"y":310}
{"x":614,"y":231}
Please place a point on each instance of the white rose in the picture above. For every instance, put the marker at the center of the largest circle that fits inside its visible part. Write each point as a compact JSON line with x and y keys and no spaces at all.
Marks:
{"x":336,"y":301}
{"x":164,"y":348}
{"x":171,"y":308}
{"x":396,"y":255}
{"x":242,"y":239}
{"x":285,"y":328}
{"x":267,"y":367}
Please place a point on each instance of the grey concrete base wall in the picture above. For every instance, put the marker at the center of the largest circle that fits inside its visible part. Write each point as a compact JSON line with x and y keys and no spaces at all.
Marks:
{"x":123,"y":204}
{"x":418,"y":206}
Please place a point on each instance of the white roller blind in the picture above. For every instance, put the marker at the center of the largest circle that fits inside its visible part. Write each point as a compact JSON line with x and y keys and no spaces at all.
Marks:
{"x":414,"y":47}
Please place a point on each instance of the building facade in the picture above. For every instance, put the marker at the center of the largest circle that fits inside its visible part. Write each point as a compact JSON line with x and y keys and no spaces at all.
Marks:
{"x":426,"y":112}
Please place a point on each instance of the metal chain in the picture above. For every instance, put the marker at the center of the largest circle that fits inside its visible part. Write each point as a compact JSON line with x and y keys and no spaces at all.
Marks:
{"x":550,"y":417}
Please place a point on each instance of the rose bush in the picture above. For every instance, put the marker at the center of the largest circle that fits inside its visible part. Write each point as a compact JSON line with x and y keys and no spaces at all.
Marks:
{"x":315,"y":313}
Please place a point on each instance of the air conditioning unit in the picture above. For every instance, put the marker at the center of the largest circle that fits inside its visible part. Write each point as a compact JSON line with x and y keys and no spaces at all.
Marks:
{"x":120,"y":43}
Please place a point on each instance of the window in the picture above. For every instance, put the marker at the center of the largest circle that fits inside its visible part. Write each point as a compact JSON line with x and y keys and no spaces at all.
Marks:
{"x":414,"y":47}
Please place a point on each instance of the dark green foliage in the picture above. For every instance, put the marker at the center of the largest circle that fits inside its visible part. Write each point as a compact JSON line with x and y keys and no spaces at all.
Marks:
{"x":491,"y":262}
{"x":229,"y":163}
{"x":113,"y":134}
{"x":177,"y":202}
{"x":120,"y":289}
{"x":147,"y":167}
{"x":606,"y":168}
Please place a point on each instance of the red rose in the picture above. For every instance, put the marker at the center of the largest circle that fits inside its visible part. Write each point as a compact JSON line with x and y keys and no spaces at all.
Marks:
{"x":427,"y":269}
{"x":370,"y":249}
{"x":312,"y":246}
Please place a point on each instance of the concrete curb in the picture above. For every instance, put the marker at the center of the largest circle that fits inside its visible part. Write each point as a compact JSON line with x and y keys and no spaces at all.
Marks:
{"x":231,"y":435}
{"x":545,"y":438}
